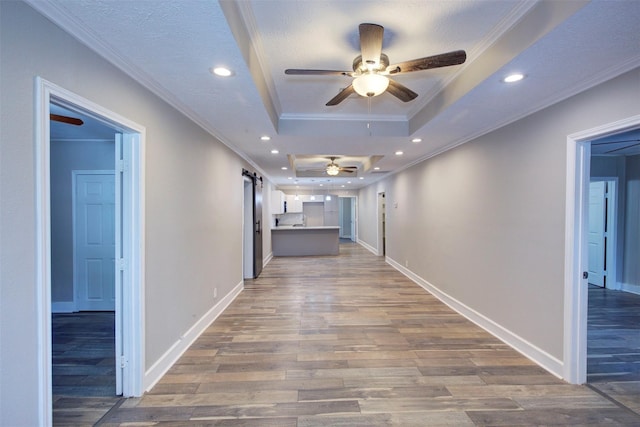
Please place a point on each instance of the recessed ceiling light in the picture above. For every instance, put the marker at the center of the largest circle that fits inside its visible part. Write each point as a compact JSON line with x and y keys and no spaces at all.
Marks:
{"x":362,"y":177}
{"x":342,"y":186}
{"x":377,"y":168}
{"x":289,"y":177}
{"x":399,"y":153}
{"x":265,"y":138}
{"x":274,"y":151}
{"x":284,"y":168}
{"x":348,"y":182}
{"x":416,"y":140}
{"x":222,"y":71}
{"x":512,"y":78}
{"x":321,"y":185}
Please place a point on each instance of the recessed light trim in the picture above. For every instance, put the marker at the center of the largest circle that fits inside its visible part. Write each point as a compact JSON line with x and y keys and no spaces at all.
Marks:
{"x":265,"y":138}
{"x":274,"y":151}
{"x":222,"y":71}
{"x":514,"y":77}
{"x":284,"y":168}
{"x":416,"y":140}
{"x":399,"y":153}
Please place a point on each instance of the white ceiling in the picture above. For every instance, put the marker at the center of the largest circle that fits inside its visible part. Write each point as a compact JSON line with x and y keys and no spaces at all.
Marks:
{"x":563,"y":47}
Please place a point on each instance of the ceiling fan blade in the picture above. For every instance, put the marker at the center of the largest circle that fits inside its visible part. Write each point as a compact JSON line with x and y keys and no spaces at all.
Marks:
{"x":66,"y":119}
{"x":303,"y":72}
{"x":371,"y":43}
{"x":347,"y":170}
{"x":400,"y":91}
{"x":443,"y":60}
{"x":344,"y":94}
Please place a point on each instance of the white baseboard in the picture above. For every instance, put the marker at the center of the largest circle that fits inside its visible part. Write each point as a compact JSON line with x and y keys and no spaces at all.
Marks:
{"x":171,"y":356}
{"x":537,"y":355}
{"x":266,"y":260}
{"x":628,"y":287}
{"x":63,"y":307}
{"x":368,"y":247}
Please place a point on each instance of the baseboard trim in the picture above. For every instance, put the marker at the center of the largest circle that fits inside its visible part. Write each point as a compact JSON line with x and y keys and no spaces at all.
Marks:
{"x":171,"y":356}
{"x":368,"y":247}
{"x":628,"y":287}
{"x":527,"y":349}
{"x":267,"y":259}
{"x":63,"y":307}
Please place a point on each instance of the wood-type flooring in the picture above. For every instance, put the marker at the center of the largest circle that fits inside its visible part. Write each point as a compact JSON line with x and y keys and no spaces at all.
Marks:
{"x":613,"y":345}
{"x":349,"y":341}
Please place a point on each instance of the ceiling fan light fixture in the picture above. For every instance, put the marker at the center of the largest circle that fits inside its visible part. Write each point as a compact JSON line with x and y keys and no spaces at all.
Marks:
{"x":370,"y":84}
{"x":333,"y":169}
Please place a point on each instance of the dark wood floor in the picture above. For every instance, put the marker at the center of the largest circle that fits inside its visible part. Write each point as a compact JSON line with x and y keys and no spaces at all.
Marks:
{"x":349,"y":341}
{"x":83,"y":366}
{"x":613,"y":345}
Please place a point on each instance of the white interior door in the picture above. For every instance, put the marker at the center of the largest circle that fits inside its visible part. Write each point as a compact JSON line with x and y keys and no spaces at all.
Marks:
{"x":94,"y":240}
{"x":596,"y":233}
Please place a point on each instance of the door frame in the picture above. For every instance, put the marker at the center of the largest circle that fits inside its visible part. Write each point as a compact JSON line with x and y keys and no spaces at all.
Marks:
{"x":576,"y":240}
{"x":130,"y":164}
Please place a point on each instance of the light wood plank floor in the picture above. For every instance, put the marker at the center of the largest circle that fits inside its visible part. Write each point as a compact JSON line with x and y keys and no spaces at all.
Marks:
{"x":348,"y":341}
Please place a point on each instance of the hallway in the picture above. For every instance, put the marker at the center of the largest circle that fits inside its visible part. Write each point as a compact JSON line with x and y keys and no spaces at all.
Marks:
{"x":347,"y":340}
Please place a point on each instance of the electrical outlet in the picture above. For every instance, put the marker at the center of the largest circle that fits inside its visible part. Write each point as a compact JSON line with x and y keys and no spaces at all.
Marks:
{"x":215,"y":292}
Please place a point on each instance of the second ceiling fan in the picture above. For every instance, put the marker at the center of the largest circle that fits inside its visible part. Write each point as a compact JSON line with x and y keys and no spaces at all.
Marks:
{"x":371,"y":68}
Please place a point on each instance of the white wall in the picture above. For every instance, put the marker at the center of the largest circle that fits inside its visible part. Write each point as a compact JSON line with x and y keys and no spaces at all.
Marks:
{"x":193,"y":201}
{"x":484,"y":222}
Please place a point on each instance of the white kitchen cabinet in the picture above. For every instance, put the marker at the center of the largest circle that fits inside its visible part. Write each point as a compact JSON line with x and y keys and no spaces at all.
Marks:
{"x":277,"y":202}
{"x":293,"y":205}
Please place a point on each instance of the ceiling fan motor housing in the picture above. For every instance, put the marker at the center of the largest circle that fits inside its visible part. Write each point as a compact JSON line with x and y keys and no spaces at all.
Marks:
{"x":361,"y":68}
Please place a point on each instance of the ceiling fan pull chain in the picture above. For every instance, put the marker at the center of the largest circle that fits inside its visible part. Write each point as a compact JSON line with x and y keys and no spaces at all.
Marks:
{"x":369,"y":114}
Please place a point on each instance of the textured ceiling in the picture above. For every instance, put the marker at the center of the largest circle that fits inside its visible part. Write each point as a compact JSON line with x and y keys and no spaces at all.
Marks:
{"x":563,"y":47}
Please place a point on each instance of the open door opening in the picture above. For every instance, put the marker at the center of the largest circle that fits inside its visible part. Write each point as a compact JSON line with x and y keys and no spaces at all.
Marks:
{"x":125,"y":230}
{"x":347,"y":218}
{"x":581,"y":336}
{"x":252,"y":229}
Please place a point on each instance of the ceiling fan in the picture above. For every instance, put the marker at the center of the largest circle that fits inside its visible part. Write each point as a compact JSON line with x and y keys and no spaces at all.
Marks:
{"x":333,"y":169}
{"x":66,"y":119}
{"x":371,"y":68}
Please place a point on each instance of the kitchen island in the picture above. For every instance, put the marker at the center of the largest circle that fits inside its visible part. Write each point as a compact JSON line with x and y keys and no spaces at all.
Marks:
{"x":305,"y":241}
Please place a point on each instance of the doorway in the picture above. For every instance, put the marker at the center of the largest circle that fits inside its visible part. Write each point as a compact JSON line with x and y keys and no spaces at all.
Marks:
{"x":82,"y":201}
{"x":577,"y":244}
{"x":347,"y":218}
{"x":129,"y":240}
{"x":252,"y":228}
{"x":382,"y":225}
